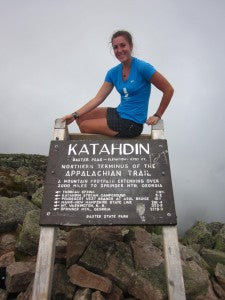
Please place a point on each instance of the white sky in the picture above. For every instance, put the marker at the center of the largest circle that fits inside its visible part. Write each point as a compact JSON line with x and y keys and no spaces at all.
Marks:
{"x":54,"y":56}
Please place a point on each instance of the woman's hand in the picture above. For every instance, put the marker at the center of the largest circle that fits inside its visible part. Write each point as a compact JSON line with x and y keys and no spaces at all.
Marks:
{"x":152,"y":120}
{"x":68,"y":118}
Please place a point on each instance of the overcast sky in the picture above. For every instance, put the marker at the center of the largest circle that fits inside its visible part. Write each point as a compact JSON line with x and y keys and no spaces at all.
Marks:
{"x":54,"y":56}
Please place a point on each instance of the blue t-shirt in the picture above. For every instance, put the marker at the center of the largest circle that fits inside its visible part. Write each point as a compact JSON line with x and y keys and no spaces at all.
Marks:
{"x":135,"y":91}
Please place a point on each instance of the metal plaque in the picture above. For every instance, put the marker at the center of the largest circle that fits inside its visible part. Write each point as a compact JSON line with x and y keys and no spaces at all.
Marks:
{"x":108,"y":182}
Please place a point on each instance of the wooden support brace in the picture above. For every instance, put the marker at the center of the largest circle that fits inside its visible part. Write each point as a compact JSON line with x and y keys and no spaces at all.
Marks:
{"x":174,"y":274}
{"x":46,"y":252}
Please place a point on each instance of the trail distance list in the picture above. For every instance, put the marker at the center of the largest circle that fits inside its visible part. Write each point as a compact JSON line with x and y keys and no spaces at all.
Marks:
{"x":105,"y":182}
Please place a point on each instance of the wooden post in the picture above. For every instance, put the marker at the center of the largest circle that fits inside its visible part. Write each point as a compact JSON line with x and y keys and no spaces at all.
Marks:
{"x":46,"y":252}
{"x":174,"y":274}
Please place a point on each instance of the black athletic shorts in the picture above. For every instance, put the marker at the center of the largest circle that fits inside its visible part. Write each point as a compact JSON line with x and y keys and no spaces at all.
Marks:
{"x":126,"y":128}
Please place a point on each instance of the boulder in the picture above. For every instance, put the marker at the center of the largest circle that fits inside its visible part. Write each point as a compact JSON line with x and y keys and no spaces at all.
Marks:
{"x":29,"y":236}
{"x":62,"y":287}
{"x":84,"y":278}
{"x":187,"y":253}
{"x":145,"y":254}
{"x":37,"y":197}
{"x":3,"y":294}
{"x":149,"y":284}
{"x":7,"y":242}
{"x":115,"y":294}
{"x":111,"y":259}
{"x":18,"y":276}
{"x":77,"y":241}
{"x":27,"y":295}
{"x":13,"y":211}
{"x":97,"y":296}
{"x":212,"y":257}
{"x":196,"y":280}
{"x":199,"y":234}
{"x":219,"y":291}
{"x":220,"y":274}
{"x":220,"y":239}
{"x":7,"y":259}
{"x":83,"y":294}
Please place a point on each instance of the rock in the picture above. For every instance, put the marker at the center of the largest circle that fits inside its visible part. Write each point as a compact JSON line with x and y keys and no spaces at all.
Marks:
{"x":199,"y":234}
{"x":62,"y":288}
{"x":214,"y":227}
{"x":116,"y":294}
{"x":145,"y":254}
{"x":112,"y":233}
{"x":143,"y":289}
{"x":7,"y":243}
{"x":27,"y":295}
{"x":29,"y":236}
{"x":37,"y":197}
{"x":111,"y":259}
{"x":209,"y":295}
{"x":84,"y":278}
{"x":83,"y":294}
{"x":12,"y":212}
{"x":23,"y":171}
{"x":220,"y":240}
{"x":77,"y":241}
{"x":7,"y":259}
{"x":97,"y":296}
{"x":220,"y":292}
{"x":220,"y":274}
{"x":18,"y":276}
{"x":3,"y":294}
{"x":196,"y":280}
{"x":187,"y":253}
{"x":212,"y":257}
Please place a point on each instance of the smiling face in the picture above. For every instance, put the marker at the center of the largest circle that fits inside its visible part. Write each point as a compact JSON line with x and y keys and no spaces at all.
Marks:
{"x":122,"y":49}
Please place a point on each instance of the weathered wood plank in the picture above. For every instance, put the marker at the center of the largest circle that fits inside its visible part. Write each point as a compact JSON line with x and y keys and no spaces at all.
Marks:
{"x":46,"y":252}
{"x":174,"y":274}
{"x":175,"y":282}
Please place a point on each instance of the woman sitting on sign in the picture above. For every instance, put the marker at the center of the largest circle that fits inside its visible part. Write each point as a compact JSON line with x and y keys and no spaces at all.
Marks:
{"x":132,"y":78}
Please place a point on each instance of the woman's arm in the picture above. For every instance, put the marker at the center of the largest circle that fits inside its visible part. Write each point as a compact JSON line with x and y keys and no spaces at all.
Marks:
{"x":102,"y":94}
{"x":163,"y":85}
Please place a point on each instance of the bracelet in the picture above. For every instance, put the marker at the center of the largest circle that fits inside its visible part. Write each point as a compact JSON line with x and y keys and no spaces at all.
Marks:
{"x":75,"y":115}
{"x":156,"y":115}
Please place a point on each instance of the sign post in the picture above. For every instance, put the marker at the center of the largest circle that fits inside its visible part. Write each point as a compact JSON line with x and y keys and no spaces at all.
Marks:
{"x":174,"y":274}
{"x":97,"y":180}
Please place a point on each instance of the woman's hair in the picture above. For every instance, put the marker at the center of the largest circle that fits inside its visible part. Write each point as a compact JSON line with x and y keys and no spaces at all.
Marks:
{"x":125,"y":34}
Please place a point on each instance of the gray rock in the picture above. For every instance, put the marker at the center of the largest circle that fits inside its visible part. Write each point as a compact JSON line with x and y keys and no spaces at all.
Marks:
{"x":62,"y":288}
{"x":29,"y":235}
{"x":212,"y":257}
{"x":18,"y":276}
{"x":83,"y":294}
{"x":12,"y":212}
{"x":149,"y":284}
{"x":7,"y":242}
{"x":187,"y":253}
{"x":220,"y":274}
{"x":77,"y":241}
{"x":196,"y":280}
{"x":199,"y":234}
{"x":37,"y":197}
{"x":3,"y":294}
{"x":145,"y":254}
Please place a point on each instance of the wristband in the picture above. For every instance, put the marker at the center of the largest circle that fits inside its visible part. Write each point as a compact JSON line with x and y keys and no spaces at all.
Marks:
{"x":75,"y":115}
{"x":156,"y":115}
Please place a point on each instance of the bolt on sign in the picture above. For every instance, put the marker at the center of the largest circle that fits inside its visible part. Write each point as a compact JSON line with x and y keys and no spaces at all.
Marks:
{"x":108,"y":182}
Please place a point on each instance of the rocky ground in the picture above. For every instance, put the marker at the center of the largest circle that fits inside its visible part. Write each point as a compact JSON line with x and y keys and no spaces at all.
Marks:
{"x":97,"y":263}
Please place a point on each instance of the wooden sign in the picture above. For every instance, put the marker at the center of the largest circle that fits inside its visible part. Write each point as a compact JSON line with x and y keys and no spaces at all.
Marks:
{"x":108,"y":182}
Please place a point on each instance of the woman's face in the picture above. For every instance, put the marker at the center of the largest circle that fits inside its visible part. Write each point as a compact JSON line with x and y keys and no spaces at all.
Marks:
{"x":122,"y":49}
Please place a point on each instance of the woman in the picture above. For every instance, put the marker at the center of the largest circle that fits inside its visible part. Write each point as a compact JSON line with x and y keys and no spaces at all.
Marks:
{"x":132,"y":79}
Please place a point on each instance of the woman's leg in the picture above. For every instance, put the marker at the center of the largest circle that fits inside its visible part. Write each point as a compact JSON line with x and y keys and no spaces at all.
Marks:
{"x":95,"y":121}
